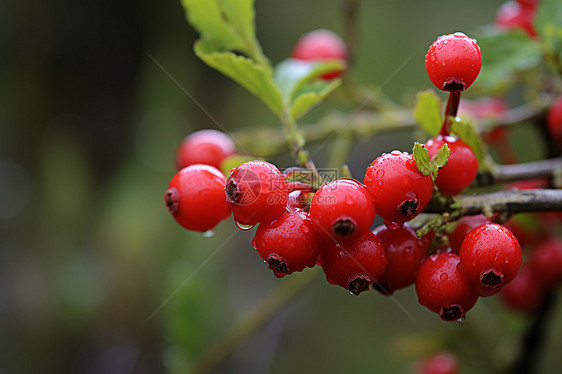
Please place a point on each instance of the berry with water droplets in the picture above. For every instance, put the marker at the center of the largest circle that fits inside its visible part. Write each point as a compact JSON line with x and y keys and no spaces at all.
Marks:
{"x":453,"y":62}
{"x":461,"y":167}
{"x":399,"y":190}
{"x":341,"y":209}
{"x":354,"y":264}
{"x":465,"y":225}
{"x":288,"y":244}
{"x":196,"y":198}
{"x":257,"y":192}
{"x":490,"y":257}
{"x":209,"y":147}
{"x":443,"y":287}
{"x":404,"y":252}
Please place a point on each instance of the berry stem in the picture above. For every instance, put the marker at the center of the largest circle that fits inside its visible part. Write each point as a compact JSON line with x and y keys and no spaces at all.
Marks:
{"x":533,"y":341}
{"x":550,"y":168}
{"x":450,"y":111}
{"x":351,"y":25}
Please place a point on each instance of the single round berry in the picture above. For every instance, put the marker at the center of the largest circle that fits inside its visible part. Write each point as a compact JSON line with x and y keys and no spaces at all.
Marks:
{"x":465,"y":225}
{"x":288,"y":244}
{"x":554,"y":120}
{"x":490,"y":257}
{"x":209,"y":147}
{"x":524,"y":293}
{"x":321,"y":45}
{"x":546,"y":263}
{"x":196,"y":198}
{"x":399,"y":190}
{"x":461,"y":167}
{"x":355,"y":263}
{"x":513,"y":15}
{"x":443,"y":287}
{"x":453,"y":62}
{"x":341,"y":209}
{"x":257,"y":192}
{"x":440,"y":363}
{"x":404,"y":252}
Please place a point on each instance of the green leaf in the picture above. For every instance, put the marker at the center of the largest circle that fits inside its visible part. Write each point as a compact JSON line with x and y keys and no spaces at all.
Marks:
{"x":240,"y":14}
{"x":466,"y":133}
{"x":292,"y":75}
{"x":427,"y":112}
{"x":254,"y":77}
{"x":441,"y":158}
{"x":312,"y":95}
{"x":421,"y":155}
{"x":504,"y":55}
{"x":208,"y":19}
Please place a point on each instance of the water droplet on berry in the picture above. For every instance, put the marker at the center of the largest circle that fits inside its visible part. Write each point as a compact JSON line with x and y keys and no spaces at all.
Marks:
{"x":305,"y":229}
{"x":208,"y":234}
{"x":409,"y":254}
{"x":379,"y":174}
{"x":443,"y":277}
{"x":349,"y":200}
{"x":242,"y":226}
{"x":460,"y":320}
{"x":393,"y":225}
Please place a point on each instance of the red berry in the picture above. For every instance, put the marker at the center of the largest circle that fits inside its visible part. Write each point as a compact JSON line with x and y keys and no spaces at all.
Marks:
{"x":461,"y":167}
{"x":404,"y":252}
{"x":524,"y":293}
{"x":209,"y":147}
{"x":554,"y":120}
{"x":399,"y":190}
{"x":546,"y":263}
{"x":453,"y":62}
{"x":196,"y":198}
{"x":440,"y":363}
{"x":321,"y":45}
{"x":341,"y":209}
{"x":490,"y":257}
{"x":355,"y":263}
{"x":257,"y":192}
{"x":465,"y":225}
{"x":443,"y":287}
{"x":288,"y":244}
{"x":513,"y":15}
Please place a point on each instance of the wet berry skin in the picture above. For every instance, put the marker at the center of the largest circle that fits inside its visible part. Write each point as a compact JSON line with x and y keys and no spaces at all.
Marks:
{"x":404,"y":253}
{"x":465,"y":225}
{"x":257,"y":192}
{"x":490,"y":257}
{"x":341,"y":209}
{"x":355,"y":263}
{"x":321,"y":45}
{"x":443,"y":288}
{"x":546,"y":263}
{"x":209,"y":147}
{"x":461,"y":167}
{"x":196,"y":198}
{"x":288,"y":244}
{"x":554,"y":120}
{"x":453,"y":62}
{"x":399,"y":190}
{"x":440,"y":363}
{"x":524,"y":293}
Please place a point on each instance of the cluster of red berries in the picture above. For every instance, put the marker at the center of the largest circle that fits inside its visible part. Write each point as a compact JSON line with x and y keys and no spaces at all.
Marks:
{"x":302,"y":226}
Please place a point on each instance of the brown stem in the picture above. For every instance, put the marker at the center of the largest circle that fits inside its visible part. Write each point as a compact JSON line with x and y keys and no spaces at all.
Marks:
{"x":450,"y":111}
{"x":530,"y":170}
{"x":351,"y":26}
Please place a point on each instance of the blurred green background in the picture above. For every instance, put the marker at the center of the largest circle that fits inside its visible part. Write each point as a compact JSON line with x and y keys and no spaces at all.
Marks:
{"x":96,"y":277}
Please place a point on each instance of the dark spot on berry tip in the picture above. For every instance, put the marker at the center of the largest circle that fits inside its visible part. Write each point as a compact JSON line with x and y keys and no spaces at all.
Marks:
{"x":278,"y":265}
{"x":453,"y":313}
{"x":343,"y":227}
{"x":172,"y":198}
{"x":383,"y":288}
{"x":408,"y":208}
{"x":358,"y":284}
{"x":491,"y":279}
{"x":231,"y":191}
{"x":454,"y":86}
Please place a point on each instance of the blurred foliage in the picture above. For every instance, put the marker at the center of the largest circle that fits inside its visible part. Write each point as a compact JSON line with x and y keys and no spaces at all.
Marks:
{"x":96,"y":277}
